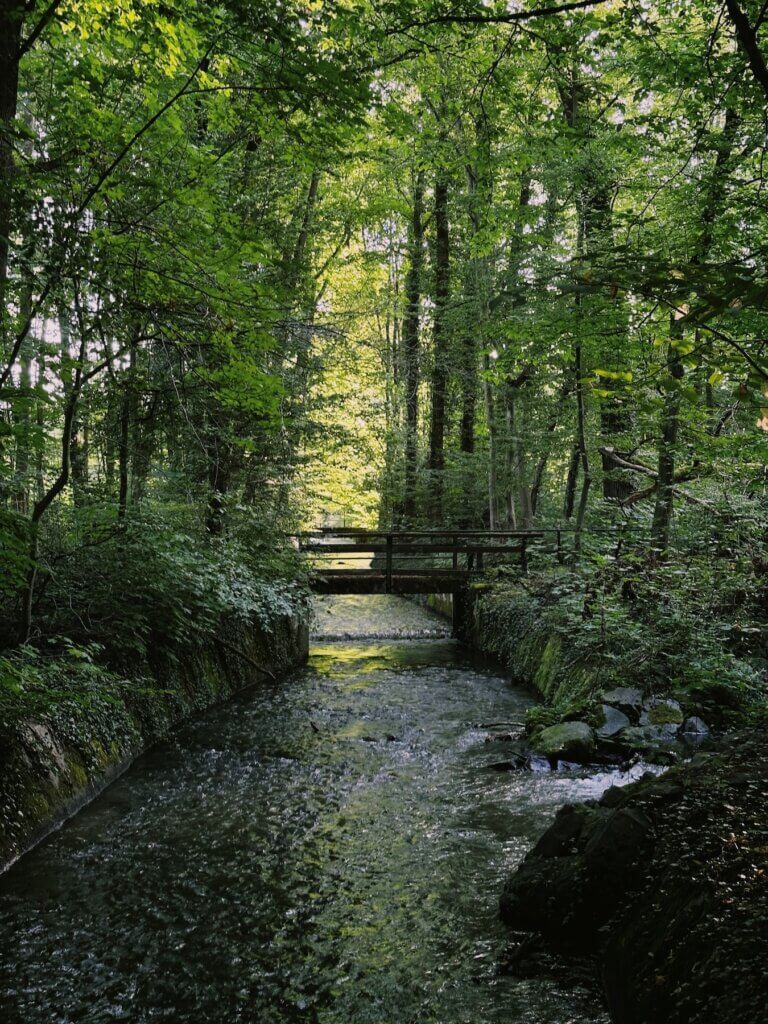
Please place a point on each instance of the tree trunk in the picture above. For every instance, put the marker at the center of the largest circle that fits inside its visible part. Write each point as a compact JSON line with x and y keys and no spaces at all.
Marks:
{"x":491,"y":420}
{"x":11,"y":23}
{"x":411,"y":345}
{"x":581,"y":435}
{"x":440,"y":352}
{"x":662,"y":513}
{"x":22,"y":407}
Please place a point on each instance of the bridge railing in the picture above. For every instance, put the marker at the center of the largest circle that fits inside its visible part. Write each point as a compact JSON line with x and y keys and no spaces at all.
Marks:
{"x":392,"y":555}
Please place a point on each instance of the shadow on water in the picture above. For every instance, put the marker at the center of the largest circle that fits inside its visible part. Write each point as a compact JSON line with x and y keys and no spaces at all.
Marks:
{"x":330,"y":849}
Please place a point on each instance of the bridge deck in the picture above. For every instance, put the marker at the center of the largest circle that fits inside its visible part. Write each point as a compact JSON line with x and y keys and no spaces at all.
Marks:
{"x":413,"y":581}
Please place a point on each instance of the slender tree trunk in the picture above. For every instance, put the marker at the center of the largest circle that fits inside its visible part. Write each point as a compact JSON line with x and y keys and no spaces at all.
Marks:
{"x":670,"y":417}
{"x":123,"y":447}
{"x":411,"y":324}
{"x":40,"y":417}
{"x":509,"y":459}
{"x":662,"y":513}
{"x":128,"y":409}
{"x":586,"y":479}
{"x":11,"y":22}
{"x":46,"y":500}
{"x":23,"y":407}
{"x":440,"y":352}
{"x":569,"y":502}
{"x":490,"y":416}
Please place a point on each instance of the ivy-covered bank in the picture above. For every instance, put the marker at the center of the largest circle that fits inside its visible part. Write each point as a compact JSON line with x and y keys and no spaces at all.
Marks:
{"x":638,"y":653}
{"x":69,"y":726}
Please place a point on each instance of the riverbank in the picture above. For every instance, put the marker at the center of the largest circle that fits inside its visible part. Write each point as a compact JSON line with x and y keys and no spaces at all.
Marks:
{"x":658,"y":890}
{"x":620,"y":661}
{"x":67,"y":735}
{"x":663,"y":883}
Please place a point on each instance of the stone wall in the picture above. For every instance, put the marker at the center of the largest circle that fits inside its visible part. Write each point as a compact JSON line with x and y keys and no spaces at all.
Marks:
{"x":55,"y":763}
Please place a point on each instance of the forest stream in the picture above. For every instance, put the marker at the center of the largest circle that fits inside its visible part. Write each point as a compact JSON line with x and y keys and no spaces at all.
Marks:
{"x":329,"y":848}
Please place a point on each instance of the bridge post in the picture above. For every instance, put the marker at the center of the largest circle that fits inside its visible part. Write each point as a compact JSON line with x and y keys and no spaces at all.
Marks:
{"x":388,"y":567}
{"x":463,"y":614}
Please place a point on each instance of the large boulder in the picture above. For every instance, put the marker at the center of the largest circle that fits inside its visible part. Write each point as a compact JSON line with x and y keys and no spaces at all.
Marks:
{"x":573,"y":880}
{"x":569,"y":741}
{"x":656,"y":744}
{"x":663,"y":880}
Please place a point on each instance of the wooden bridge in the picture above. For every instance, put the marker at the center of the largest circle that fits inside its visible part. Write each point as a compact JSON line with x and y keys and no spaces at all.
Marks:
{"x":353,"y":561}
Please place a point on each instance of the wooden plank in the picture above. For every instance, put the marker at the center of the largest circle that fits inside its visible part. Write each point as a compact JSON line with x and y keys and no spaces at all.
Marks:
{"x":405,"y":534}
{"x":342,"y":549}
{"x":411,"y":549}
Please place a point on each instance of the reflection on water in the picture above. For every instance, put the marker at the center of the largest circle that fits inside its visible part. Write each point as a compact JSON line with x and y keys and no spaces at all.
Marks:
{"x":327,"y":850}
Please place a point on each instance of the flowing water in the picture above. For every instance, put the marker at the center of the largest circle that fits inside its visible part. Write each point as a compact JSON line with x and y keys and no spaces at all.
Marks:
{"x":327,"y":849}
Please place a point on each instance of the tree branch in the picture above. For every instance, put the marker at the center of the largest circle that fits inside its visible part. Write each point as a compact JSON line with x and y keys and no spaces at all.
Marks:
{"x":495,"y":19}
{"x":747,"y":37}
{"x":37,"y":31}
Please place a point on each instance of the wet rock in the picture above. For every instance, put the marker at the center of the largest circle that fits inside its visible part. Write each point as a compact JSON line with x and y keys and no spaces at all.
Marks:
{"x":569,"y":741}
{"x":695,"y":727}
{"x":626,"y":698}
{"x":649,"y":881}
{"x":612,"y":797}
{"x":560,"y":838}
{"x":575,"y":877}
{"x":513,"y":764}
{"x":646,"y":738}
{"x":613,"y":722}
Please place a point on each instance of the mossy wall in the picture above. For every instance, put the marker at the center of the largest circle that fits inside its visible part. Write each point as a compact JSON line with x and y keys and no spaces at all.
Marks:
{"x":55,"y":761}
{"x":513,"y":630}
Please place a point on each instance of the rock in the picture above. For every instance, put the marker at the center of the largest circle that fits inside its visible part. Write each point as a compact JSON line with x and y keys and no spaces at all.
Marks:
{"x":695,"y":726}
{"x":626,"y":698}
{"x":613,"y":722}
{"x":648,"y":737}
{"x":612,"y":797}
{"x":516,"y":763}
{"x":570,"y":741}
{"x":572,"y":881}
{"x":662,"y":712}
{"x":560,"y":838}
{"x":41,"y":741}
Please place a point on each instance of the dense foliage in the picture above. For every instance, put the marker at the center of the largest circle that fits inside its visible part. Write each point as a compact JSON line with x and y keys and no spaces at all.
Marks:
{"x":478,"y":264}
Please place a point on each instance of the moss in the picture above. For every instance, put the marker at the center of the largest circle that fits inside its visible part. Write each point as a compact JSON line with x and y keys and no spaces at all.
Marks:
{"x":35,"y":806}
{"x":665,"y":714}
{"x":77,"y":773}
{"x":545,"y":677}
{"x":511,"y":627}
